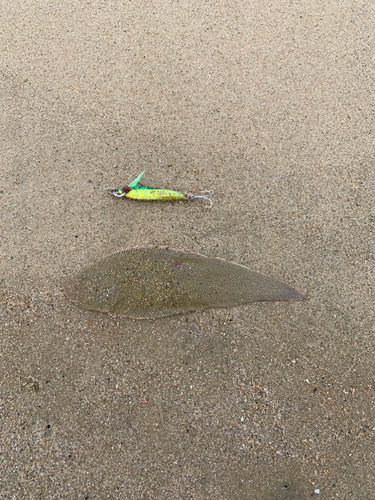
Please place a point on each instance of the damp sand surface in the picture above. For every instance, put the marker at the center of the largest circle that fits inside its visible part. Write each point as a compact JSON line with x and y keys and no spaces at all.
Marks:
{"x":270,"y":106}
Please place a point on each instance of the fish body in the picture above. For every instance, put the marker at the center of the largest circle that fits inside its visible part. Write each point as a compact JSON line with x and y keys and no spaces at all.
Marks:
{"x":157,"y":282}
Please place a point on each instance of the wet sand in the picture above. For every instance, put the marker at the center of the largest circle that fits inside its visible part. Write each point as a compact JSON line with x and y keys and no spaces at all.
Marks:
{"x":270,"y":106}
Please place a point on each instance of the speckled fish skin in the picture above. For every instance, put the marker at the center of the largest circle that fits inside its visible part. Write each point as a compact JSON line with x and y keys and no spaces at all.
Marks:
{"x":158,"y":282}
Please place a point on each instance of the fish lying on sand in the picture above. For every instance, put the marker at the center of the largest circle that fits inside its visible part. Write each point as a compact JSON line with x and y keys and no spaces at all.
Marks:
{"x":157,"y":282}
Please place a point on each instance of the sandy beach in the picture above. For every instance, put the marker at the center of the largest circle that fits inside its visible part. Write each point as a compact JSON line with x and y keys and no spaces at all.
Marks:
{"x":270,"y":106}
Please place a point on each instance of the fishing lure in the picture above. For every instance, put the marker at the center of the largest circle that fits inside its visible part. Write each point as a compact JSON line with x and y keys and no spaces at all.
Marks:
{"x":137,"y":191}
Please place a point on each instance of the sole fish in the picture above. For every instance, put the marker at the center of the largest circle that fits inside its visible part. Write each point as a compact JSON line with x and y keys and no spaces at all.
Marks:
{"x":157,"y":282}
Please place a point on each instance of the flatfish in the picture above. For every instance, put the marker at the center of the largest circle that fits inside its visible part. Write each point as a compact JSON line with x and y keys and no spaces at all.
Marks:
{"x":157,"y":282}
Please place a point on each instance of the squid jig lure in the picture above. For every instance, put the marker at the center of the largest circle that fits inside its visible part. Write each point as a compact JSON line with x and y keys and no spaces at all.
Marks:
{"x":137,"y":191}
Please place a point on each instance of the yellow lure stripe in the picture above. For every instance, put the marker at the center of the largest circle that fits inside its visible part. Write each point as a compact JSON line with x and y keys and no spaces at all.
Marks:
{"x":154,"y":194}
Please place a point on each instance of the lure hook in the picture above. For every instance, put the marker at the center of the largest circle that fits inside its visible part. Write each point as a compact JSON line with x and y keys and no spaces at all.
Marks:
{"x":202,"y":196}
{"x":119,"y":193}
